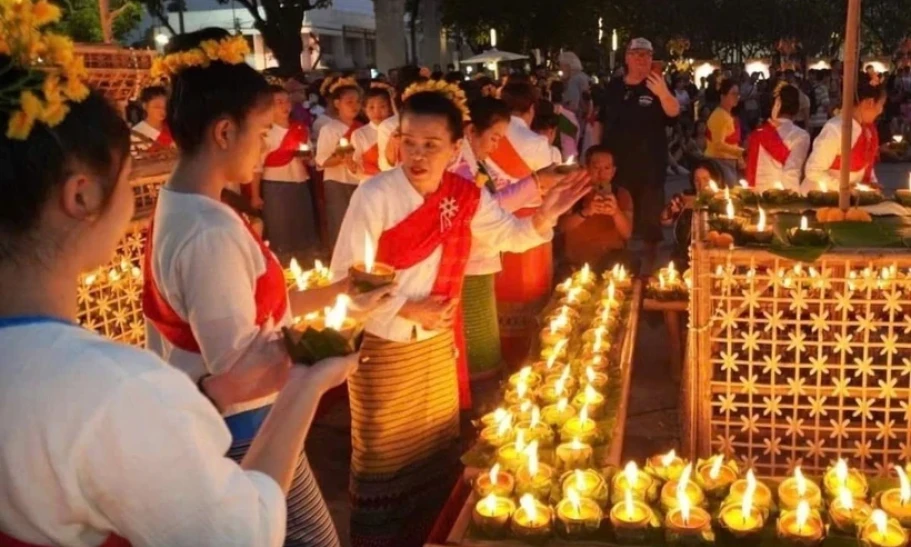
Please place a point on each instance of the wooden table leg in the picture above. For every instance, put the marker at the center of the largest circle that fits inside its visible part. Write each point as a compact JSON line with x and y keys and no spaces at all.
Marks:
{"x":672,"y":322}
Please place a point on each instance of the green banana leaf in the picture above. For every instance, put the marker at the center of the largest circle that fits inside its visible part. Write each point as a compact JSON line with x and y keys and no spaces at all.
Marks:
{"x":864,"y":234}
{"x":312,"y":346}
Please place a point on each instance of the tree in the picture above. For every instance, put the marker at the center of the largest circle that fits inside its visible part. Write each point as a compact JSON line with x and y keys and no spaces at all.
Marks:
{"x":82,"y":20}
{"x":390,"y":33}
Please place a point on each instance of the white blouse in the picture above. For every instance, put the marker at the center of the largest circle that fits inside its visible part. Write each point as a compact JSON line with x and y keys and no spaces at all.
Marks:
{"x":326,"y":145}
{"x":294,"y":171}
{"x":381,"y":203}
{"x":101,"y":438}
{"x":383,"y":133}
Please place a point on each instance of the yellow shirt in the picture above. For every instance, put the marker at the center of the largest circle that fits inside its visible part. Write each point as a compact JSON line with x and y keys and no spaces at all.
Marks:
{"x":721,"y":126}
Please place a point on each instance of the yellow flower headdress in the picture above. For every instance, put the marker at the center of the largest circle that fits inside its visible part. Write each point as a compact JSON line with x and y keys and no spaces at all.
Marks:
{"x":324,"y":87}
{"x":53,"y":74}
{"x":383,"y":85}
{"x":341,"y":82}
{"x":451,"y":91}
{"x":231,"y":50}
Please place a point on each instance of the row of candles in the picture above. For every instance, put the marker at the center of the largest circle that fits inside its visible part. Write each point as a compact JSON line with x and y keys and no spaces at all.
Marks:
{"x":670,"y":284}
{"x":884,"y":278}
{"x":682,"y":496}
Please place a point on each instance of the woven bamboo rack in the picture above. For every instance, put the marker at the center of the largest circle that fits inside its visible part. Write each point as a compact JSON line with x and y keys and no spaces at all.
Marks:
{"x":117,"y":72}
{"x":793,"y":366}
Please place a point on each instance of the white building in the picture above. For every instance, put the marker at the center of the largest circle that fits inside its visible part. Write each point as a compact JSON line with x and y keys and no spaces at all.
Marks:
{"x":346,"y":32}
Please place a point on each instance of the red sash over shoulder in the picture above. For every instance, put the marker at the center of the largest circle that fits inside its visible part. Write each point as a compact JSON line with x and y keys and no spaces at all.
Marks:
{"x":164,"y":139}
{"x":112,"y":541}
{"x":270,"y":295}
{"x":354,"y":127}
{"x":371,"y":159}
{"x":766,"y":137}
{"x":864,"y":153}
{"x":296,"y":135}
{"x":444,"y":219}
{"x":509,"y":161}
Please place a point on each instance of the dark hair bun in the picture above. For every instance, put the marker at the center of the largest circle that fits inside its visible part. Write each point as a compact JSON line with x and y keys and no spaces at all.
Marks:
{"x":202,"y":95}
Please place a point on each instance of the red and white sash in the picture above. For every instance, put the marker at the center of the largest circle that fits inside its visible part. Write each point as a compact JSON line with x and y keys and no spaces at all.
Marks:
{"x":113,"y":540}
{"x":270,"y":296}
{"x":508,"y":159}
{"x":767,"y":138}
{"x":864,"y":153}
{"x":371,"y":160}
{"x":164,"y":140}
{"x":354,"y":127}
{"x":295,"y":135}
{"x":443,"y":219}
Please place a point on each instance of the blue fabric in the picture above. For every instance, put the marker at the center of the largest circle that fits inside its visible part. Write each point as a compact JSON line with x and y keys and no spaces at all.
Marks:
{"x":20,"y":320}
{"x":244,"y":426}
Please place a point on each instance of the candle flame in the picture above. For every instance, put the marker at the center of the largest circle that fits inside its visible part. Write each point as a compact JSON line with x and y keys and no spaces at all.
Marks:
{"x":863,"y":188}
{"x":744,"y":183}
{"x":668,"y":458}
{"x":335,"y":316}
{"x":565,"y":374}
{"x":579,"y":477}
{"x":590,"y":373}
{"x":760,"y":226}
{"x":558,"y":348}
{"x":583,"y":414}
{"x":905,"y":486}
{"x":560,"y":386}
{"x":89,"y":279}
{"x":881,"y":521}
{"x":369,"y":253}
{"x":803,"y":223}
{"x":300,"y":280}
{"x":713,"y":186}
{"x":684,"y":480}
{"x":490,"y":503}
{"x":628,"y":502}
{"x":841,"y":471}
{"x":343,"y":142}
{"x":504,"y":424}
{"x":570,"y":160}
{"x":727,"y":194}
{"x":521,"y":389}
{"x":520,"y":441}
{"x":590,"y":394}
{"x":898,"y":138}
{"x":494,"y":473}
{"x":562,"y":404}
{"x":661,"y":282}
{"x":803,"y":513}
{"x":684,"y":503}
{"x":525,"y":406}
{"x":532,"y":453}
{"x":716,"y":467}
{"x":524,"y":373}
{"x":585,"y":273}
{"x":576,"y":444}
{"x":611,"y":291}
{"x":746,"y":504}
{"x":574,"y":499}
{"x":631,"y":472}
{"x":845,"y":497}
{"x":801,"y":482}
{"x":729,"y":209}
{"x":779,"y":185}
{"x":596,"y":347}
{"x":535,"y":416}
{"x":527,"y":503}
{"x":566,"y":285}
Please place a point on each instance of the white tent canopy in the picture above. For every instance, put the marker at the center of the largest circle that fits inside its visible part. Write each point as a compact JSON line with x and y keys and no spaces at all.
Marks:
{"x":494,"y":56}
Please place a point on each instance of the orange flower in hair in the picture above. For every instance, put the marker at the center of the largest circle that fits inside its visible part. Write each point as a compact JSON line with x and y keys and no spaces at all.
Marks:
{"x":451,"y":91}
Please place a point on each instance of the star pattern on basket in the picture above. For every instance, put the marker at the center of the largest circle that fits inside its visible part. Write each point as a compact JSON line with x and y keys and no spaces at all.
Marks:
{"x":892,"y":301}
{"x":815,"y":447}
{"x":795,"y":386}
{"x":748,"y":384}
{"x":773,"y":321}
{"x":885,"y":430}
{"x":797,"y":341}
{"x":795,"y":427}
{"x":840,"y":388}
{"x":844,"y":302}
{"x":772,"y":406}
{"x":729,"y":361}
{"x":863,"y":408}
{"x":772,"y":364}
{"x":772,"y":446}
{"x":866,"y":323}
{"x":843,"y":343}
{"x":798,"y":300}
{"x":727,"y":403}
{"x":863,"y":451}
{"x":864,"y":366}
{"x":728,"y":318}
{"x":839,"y":428}
{"x":887,"y":390}
{"x":818,"y":406}
{"x":819,"y":365}
{"x":751,"y":298}
{"x":750,"y":340}
{"x":906,"y":367}
{"x":820,"y":322}
{"x":749,"y":423}
{"x":905,"y":449}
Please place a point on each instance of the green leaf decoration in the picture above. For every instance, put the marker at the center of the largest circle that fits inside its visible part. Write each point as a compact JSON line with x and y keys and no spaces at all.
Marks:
{"x":312,"y":346}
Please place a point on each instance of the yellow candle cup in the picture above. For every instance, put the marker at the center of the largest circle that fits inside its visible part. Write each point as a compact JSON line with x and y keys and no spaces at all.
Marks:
{"x":592,"y":399}
{"x":848,"y":515}
{"x":512,"y":456}
{"x":665,"y":467}
{"x":527,"y":376}
{"x":640,"y":484}
{"x":550,"y":336}
{"x":494,"y":418}
{"x":737,"y":526}
{"x":689,"y":527}
{"x":715,"y":476}
{"x":840,"y":476}
{"x":762,"y":495}
{"x":535,"y":480}
{"x":895,"y":506}
{"x":588,"y":483}
{"x":882,"y":531}
{"x":533,"y":521}
{"x":573,"y":455}
{"x":578,"y":517}
{"x":692,"y":491}
{"x":548,"y":368}
{"x":491,"y":515}
{"x":597,"y":380}
{"x":580,"y":427}
{"x":523,"y":411}
{"x":551,"y":392}
{"x":493,"y":481}
{"x":495,"y":437}
{"x":794,"y":489}
{"x":556,"y":415}
{"x":630,"y":520}
{"x":801,"y":527}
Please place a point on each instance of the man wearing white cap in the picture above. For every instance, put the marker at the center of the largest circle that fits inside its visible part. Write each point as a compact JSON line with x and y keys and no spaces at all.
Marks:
{"x":637,"y":109}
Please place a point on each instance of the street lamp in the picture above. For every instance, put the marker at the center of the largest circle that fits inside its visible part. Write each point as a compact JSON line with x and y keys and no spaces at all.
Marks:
{"x":162,"y":39}
{"x":600,"y":30}
{"x":613,"y":40}
{"x":493,"y":38}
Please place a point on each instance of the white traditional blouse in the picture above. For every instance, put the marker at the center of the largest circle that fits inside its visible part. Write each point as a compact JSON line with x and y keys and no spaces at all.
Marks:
{"x":293,"y":171}
{"x":326,"y":145}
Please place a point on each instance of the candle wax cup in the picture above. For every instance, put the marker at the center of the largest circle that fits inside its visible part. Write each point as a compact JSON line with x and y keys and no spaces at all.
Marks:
{"x":531,"y":380}
{"x":579,"y":522}
{"x":599,"y":381}
{"x":698,"y":521}
{"x":631,"y":528}
{"x":492,"y":437}
{"x":524,"y":528}
{"x":503,"y":487}
{"x":595,"y":403}
{"x":511,"y":459}
{"x":519,"y":415}
{"x":571,"y":457}
{"x":552,"y":337}
{"x":855,"y":482}
{"x":592,"y":485}
{"x":716,"y":488}
{"x":541,"y":368}
{"x":548,"y":395}
{"x":552,"y":416}
{"x":554,"y":376}
{"x":655,"y":466}
{"x":669,"y":495}
{"x":762,"y":497}
{"x":890,"y":502}
{"x":847,"y":520}
{"x":894,"y":535}
{"x":810,"y":533}
{"x":574,"y":428}
{"x":753,"y":235}
{"x":380,"y":276}
{"x":538,"y":484}
{"x":788,"y":498}
{"x":493,"y":523}
{"x":541,"y":432}
{"x":733,"y":519}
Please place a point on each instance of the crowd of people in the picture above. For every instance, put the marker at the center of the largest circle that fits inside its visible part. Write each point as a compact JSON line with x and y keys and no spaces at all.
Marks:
{"x":460,"y":186}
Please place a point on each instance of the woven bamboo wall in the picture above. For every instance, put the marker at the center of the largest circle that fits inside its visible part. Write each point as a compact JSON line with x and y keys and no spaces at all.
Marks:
{"x":110,"y":297}
{"x":117,"y":72}
{"x":796,"y":366}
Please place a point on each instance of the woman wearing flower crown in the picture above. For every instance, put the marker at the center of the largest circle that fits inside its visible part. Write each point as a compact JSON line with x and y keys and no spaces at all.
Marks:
{"x":109,"y":445}
{"x":378,"y":108}
{"x":210,"y":281}
{"x":334,"y":151}
{"x":421,"y":220}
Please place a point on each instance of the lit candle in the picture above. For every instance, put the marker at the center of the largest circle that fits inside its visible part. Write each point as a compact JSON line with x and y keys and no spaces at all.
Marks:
{"x":801,"y":527}
{"x":534,"y":477}
{"x":760,"y":233}
{"x":741,"y":522}
{"x":882,"y":531}
{"x":685,"y":523}
{"x":630,"y":520}
{"x":598,"y":380}
{"x":522,"y":412}
{"x":584,"y":277}
{"x":536,"y":430}
{"x":761,"y":494}
{"x":343,"y":144}
{"x":795,"y":489}
{"x":491,"y":515}
{"x":512,"y":456}
{"x":370,"y":274}
{"x":494,"y":418}
{"x":591,"y":399}
{"x":495,"y":482}
{"x":587,"y":482}
{"x":526,"y":376}
{"x":840,"y":477}
{"x":496,"y":436}
{"x":620,"y":277}
{"x":579,"y":517}
{"x":674,"y":489}
{"x":640,"y":483}
{"x":334,"y":317}
{"x":574,"y":455}
{"x":557,"y":414}
{"x":557,"y":352}
{"x":568,"y":166}
{"x":898,"y":138}
{"x":715,"y":476}
{"x":847,"y":514}
{"x":532,"y":521}
{"x":558,"y":329}
{"x":304,"y":148}
{"x":729,"y":209}
{"x":896,"y":502}
{"x":580,"y":427}
{"x":555,"y":389}
{"x":665,"y":466}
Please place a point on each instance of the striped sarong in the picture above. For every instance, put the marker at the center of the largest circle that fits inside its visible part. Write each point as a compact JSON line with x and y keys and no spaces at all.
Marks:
{"x":405,"y":439}
{"x":309,"y":521}
{"x":482,"y":331}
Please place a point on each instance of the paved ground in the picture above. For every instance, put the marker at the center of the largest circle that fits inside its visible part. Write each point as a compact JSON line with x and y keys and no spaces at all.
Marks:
{"x":653,"y":423}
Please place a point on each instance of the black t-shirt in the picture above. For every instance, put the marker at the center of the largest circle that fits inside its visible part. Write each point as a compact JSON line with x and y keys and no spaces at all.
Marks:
{"x":634,"y":124}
